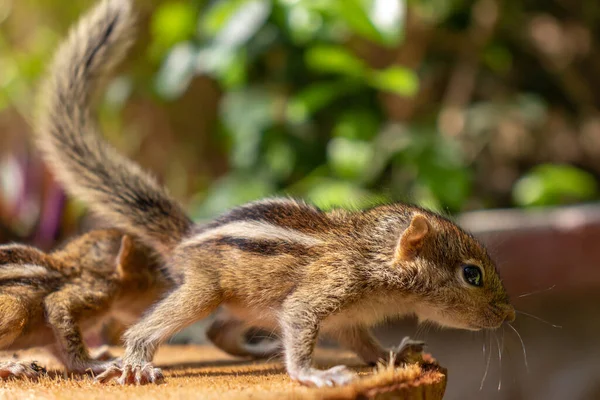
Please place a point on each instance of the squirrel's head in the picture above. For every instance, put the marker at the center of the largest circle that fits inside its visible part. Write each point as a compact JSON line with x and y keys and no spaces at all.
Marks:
{"x":452,"y":275}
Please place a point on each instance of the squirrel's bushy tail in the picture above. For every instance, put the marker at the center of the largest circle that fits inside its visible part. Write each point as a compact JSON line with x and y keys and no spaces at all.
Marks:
{"x":89,"y":168}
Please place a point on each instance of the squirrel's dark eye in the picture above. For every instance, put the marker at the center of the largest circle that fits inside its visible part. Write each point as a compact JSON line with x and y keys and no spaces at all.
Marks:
{"x":472,"y":275}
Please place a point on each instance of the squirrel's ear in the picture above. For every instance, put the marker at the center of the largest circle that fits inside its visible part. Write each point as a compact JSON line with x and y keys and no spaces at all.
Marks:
{"x":124,"y":251}
{"x":413,"y":237}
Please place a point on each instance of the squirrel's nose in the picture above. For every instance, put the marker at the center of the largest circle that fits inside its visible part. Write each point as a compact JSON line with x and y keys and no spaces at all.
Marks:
{"x":510,"y":314}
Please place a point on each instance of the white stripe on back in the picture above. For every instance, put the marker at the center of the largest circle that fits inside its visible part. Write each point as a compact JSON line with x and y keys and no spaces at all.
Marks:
{"x":17,"y":271}
{"x":258,"y":230}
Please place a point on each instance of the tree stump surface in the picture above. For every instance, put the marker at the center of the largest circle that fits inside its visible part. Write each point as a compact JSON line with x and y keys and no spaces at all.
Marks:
{"x":203,"y":372}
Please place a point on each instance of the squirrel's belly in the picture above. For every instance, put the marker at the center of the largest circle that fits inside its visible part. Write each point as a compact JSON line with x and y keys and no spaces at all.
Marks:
{"x":369,"y":312}
{"x":258,"y":317}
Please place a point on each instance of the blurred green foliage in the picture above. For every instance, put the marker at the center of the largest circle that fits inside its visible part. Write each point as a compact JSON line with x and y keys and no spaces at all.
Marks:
{"x":349,"y":103}
{"x":300,"y":114}
{"x":549,"y":184}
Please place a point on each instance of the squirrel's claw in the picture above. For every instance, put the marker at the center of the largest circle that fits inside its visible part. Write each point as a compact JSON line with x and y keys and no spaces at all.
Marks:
{"x":130,"y":374}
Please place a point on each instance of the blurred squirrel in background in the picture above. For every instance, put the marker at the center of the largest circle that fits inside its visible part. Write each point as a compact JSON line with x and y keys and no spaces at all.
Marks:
{"x":57,"y":299}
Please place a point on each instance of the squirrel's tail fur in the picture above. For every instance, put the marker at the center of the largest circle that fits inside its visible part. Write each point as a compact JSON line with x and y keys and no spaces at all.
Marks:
{"x":68,"y":136}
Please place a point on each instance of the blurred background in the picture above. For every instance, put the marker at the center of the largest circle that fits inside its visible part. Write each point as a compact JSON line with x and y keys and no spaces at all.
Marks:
{"x":452,"y":104}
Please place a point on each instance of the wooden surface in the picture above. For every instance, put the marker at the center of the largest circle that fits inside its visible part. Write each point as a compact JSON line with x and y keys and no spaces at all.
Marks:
{"x":203,"y":372}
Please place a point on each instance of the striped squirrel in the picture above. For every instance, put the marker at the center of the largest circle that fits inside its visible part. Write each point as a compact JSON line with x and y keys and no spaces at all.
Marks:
{"x":279,"y":264}
{"x":55,"y":299}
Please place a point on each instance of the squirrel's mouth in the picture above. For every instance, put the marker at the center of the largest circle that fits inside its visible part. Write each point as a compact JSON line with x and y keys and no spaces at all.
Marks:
{"x":490,"y":326}
{"x":475,"y":319}
{"x":494,"y":323}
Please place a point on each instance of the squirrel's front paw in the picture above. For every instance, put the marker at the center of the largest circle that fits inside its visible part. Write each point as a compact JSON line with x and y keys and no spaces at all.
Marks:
{"x":130,"y":374}
{"x":336,"y":376}
{"x":13,"y":369}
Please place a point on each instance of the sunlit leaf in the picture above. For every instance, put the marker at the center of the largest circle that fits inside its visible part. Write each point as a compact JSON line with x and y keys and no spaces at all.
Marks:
{"x":356,"y":15}
{"x":396,"y":79}
{"x":212,"y":60}
{"x":226,"y":64}
{"x":233,"y":22}
{"x":303,"y":22}
{"x":348,"y":158}
{"x":172,"y":22}
{"x":387,"y":17}
{"x":422,"y":195}
{"x":177,"y":71}
{"x":213,"y":20}
{"x":334,"y":59}
{"x":380,"y":21}
{"x":329,"y":193}
{"x":554,"y":184}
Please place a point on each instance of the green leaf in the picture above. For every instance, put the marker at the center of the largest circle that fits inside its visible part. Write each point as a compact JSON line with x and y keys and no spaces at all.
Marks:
{"x":231,"y":191}
{"x":233,"y":22}
{"x":357,"y":124}
{"x":176,"y":72}
{"x":172,"y":23}
{"x":348,"y":158}
{"x":216,"y":17}
{"x":439,"y":173}
{"x":356,"y":14}
{"x":226,"y":64}
{"x":449,"y":184}
{"x":399,"y":80}
{"x":328,"y":193}
{"x":554,"y":184}
{"x":315,"y":97}
{"x":424,"y":197}
{"x":303,"y":22}
{"x":334,"y":59}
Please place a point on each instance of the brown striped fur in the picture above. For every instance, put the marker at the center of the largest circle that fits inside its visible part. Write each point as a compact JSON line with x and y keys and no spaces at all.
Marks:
{"x":56,"y":299}
{"x":279,"y":264}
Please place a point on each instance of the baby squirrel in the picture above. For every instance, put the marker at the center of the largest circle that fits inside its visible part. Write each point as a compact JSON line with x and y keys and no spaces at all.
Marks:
{"x":279,"y":264}
{"x":55,"y":299}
